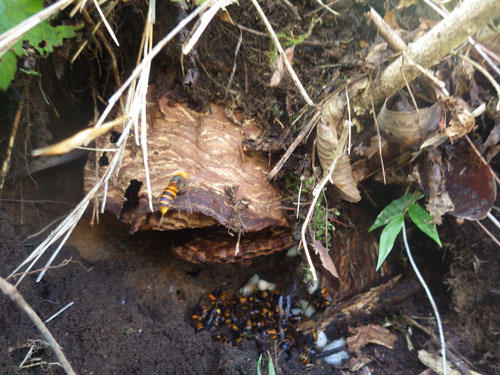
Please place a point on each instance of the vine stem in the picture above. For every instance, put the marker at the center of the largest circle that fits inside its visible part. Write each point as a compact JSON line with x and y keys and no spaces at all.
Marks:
{"x":431,"y":299}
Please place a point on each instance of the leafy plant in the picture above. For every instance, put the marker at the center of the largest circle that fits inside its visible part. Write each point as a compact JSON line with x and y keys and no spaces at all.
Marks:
{"x":42,"y":38}
{"x":392,"y":217}
{"x":270,"y":366}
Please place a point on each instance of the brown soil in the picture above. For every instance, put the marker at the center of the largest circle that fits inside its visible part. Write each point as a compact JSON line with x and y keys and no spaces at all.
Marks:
{"x":133,"y":299}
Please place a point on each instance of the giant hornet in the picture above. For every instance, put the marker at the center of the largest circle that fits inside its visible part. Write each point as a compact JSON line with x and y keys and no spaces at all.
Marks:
{"x":168,"y":195}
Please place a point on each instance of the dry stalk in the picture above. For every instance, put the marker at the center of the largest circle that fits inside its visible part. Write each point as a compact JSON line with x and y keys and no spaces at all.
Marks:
{"x":317,"y":191}
{"x":10,"y":291}
{"x":106,"y":23}
{"x":10,"y":146}
{"x":310,"y":125}
{"x":276,"y":41}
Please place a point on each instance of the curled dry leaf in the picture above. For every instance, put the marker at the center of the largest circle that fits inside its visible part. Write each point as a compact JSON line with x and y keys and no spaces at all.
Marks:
{"x":409,"y":128}
{"x":457,"y":181}
{"x":370,"y":334}
{"x":326,"y":260}
{"x":326,"y":142}
{"x":279,"y":66}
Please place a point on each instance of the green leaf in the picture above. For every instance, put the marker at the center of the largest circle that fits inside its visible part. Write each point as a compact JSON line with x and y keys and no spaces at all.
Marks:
{"x":259,"y":361}
{"x":7,"y":69}
{"x":395,"y":207}
{"x":270,"y":366}
{"x":388,"y":236}
{"x":42,"y":37}
{"x":423,"y":221}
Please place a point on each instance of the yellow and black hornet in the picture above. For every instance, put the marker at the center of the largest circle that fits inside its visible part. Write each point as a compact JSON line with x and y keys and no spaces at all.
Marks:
{"x":168,"y":195}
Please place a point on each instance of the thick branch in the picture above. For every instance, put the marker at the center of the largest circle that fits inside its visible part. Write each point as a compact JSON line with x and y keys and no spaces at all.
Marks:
{"x":465,"y":20}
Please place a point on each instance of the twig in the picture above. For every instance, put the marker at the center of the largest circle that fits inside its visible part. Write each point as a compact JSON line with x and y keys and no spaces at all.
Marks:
{"x":44,"y":228}
{"x":488,"y":232}
{"x":478,"y":47}
{"x":488,"y":76}
{"x":431,"y":299}
{"x":494,"y":220}
{"x":393,"y":39}
{"x":328,"y":8}
{"x":399,"y":45}
{"x":317,"y":191}
{"x":276,"y":41}
{"x":10,"y":147}
{"x":468,"y":17}
{"x":231,"y":77}
{"x":378,"y":137}
{"x":15,"y":296}
{"x":293,"y":146}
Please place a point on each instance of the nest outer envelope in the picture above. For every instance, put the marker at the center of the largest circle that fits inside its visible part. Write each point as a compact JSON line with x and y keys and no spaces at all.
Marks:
{"x":225,"y":186}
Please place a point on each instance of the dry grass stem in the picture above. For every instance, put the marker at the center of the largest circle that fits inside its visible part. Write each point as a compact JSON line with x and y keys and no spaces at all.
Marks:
{"x":310,"y":125}
{"x":484,"y":72}
{"x":379,"y":139}
{"x":288,"y":66}
{"x":106,"y":23}
{"x":10,"y":146}
{"x":328,"y":8}
{"x":488,"y":232}
{"x":317,"y":191}
{"x":10,"y":291}
{"x":205,"y":20}
{"x":59,"y":312}
{"x":237,"y":50}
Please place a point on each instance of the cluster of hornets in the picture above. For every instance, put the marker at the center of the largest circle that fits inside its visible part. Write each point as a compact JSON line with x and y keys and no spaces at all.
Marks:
{"x":264,"y":316}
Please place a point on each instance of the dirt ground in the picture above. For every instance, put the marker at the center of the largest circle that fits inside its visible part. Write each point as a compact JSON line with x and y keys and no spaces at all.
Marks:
{"x":133,"y":300}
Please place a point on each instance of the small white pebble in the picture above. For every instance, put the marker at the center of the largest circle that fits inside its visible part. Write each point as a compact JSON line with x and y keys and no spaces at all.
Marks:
{"x":312,"y":285}
{"x":337,"y":359}
{"x":292,"y":252}
{"x":297,"y":311}
{"x":250,"y":286}
{"x":321,"y":339}
{"x":248,"y":289}
{"x":262,"y":284}
{"x":309,"y":311}
{"x":253,"y":280}
{"x":335,"y":344}
{"x":271,"y":286}
{"x":265,"y":285}
{"x":302,"y":303}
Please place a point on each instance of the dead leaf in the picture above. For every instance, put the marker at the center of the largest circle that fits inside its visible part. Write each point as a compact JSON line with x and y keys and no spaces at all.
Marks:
{"x":326,"y":260}
{"x":363,"y":44}
{"x":279,"y":66}
{"x":225,"y":17}
{"x":406,"y":3}
{"x":401,"y":124}
{"x":391,"y":19}
{"x":356,"y":364}
{"x":370,"y":334}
